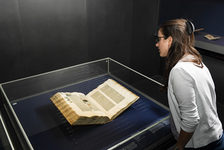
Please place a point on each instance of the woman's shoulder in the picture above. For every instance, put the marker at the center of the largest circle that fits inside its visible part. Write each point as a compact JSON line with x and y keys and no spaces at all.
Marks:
{"x":181,"y":69}
{"x":184,"y":69}
{"x":183,"y":66}
{"x":189,"y":70}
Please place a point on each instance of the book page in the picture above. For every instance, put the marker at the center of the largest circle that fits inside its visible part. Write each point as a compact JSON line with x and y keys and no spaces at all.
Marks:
{"x":81,"y":101}
{"x":112,"y":98}
{"x":103,"y":101}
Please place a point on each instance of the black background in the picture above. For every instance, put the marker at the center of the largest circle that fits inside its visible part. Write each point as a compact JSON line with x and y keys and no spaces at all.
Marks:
{"x":43,"y":35}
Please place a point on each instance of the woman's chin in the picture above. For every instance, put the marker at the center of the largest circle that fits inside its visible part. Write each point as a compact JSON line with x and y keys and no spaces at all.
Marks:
{"x":161,"y":55}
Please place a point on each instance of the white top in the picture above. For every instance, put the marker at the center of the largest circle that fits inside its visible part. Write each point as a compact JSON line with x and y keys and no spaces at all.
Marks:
{"x":192,"y":102}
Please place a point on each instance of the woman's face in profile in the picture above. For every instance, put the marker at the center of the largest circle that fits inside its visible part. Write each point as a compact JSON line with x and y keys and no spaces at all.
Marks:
{"x":163,"y":44}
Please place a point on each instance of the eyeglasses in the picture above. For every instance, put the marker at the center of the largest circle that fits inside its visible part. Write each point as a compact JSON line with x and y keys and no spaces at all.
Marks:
{"x":157,"y":38}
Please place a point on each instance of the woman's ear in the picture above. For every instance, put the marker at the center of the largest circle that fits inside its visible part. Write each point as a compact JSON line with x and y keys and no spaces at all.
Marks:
{"x":170,"y":40}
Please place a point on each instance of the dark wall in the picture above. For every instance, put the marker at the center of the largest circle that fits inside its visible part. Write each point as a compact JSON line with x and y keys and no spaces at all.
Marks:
{"x":109,"y":29}
{"x":145,"y":57}
{"x":207,"y":14}
{"x":39,"y":36}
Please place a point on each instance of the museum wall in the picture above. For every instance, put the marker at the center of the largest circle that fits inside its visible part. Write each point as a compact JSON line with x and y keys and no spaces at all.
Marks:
{"x":205,"y":14}
{"x":43,"y":35}
{"x":124,"y":31}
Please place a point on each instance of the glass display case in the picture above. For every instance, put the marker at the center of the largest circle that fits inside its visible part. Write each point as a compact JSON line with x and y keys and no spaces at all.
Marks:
{"x":5,"y":142}
{"x":37,"y":124}
{"x":215,"y":46}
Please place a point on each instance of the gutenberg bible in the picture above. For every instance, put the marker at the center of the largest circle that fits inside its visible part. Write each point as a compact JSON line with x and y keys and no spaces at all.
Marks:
{"x":99,"y":106}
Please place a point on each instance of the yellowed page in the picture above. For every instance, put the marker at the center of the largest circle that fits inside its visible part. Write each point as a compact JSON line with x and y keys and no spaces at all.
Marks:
{"x":112,"y":98}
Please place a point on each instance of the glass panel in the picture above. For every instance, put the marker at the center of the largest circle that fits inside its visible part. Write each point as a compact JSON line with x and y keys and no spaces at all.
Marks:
{"x":4,"y":141}
{"x":53,"y":80}
{"x":144,"y":84}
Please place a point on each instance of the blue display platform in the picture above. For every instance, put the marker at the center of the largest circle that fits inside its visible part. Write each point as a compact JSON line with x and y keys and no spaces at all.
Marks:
{"x":143,"y":123}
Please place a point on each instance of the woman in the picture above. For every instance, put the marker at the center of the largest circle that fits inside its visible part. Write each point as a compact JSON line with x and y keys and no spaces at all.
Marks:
{"x":191,"y":91}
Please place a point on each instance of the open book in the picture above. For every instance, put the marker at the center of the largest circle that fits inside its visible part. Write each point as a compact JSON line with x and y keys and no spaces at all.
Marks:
{"x":99,"y":106}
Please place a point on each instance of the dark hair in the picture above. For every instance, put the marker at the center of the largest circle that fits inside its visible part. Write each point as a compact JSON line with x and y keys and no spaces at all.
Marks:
{"x":182,"y":33}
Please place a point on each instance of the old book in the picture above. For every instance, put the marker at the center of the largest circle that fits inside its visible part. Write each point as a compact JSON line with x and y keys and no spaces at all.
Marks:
{"x":99,"y":106}
{"x":211,"y":37}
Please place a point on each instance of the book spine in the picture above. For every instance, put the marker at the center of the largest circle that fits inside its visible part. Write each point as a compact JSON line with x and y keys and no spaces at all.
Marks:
{"x":64,"y":108}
